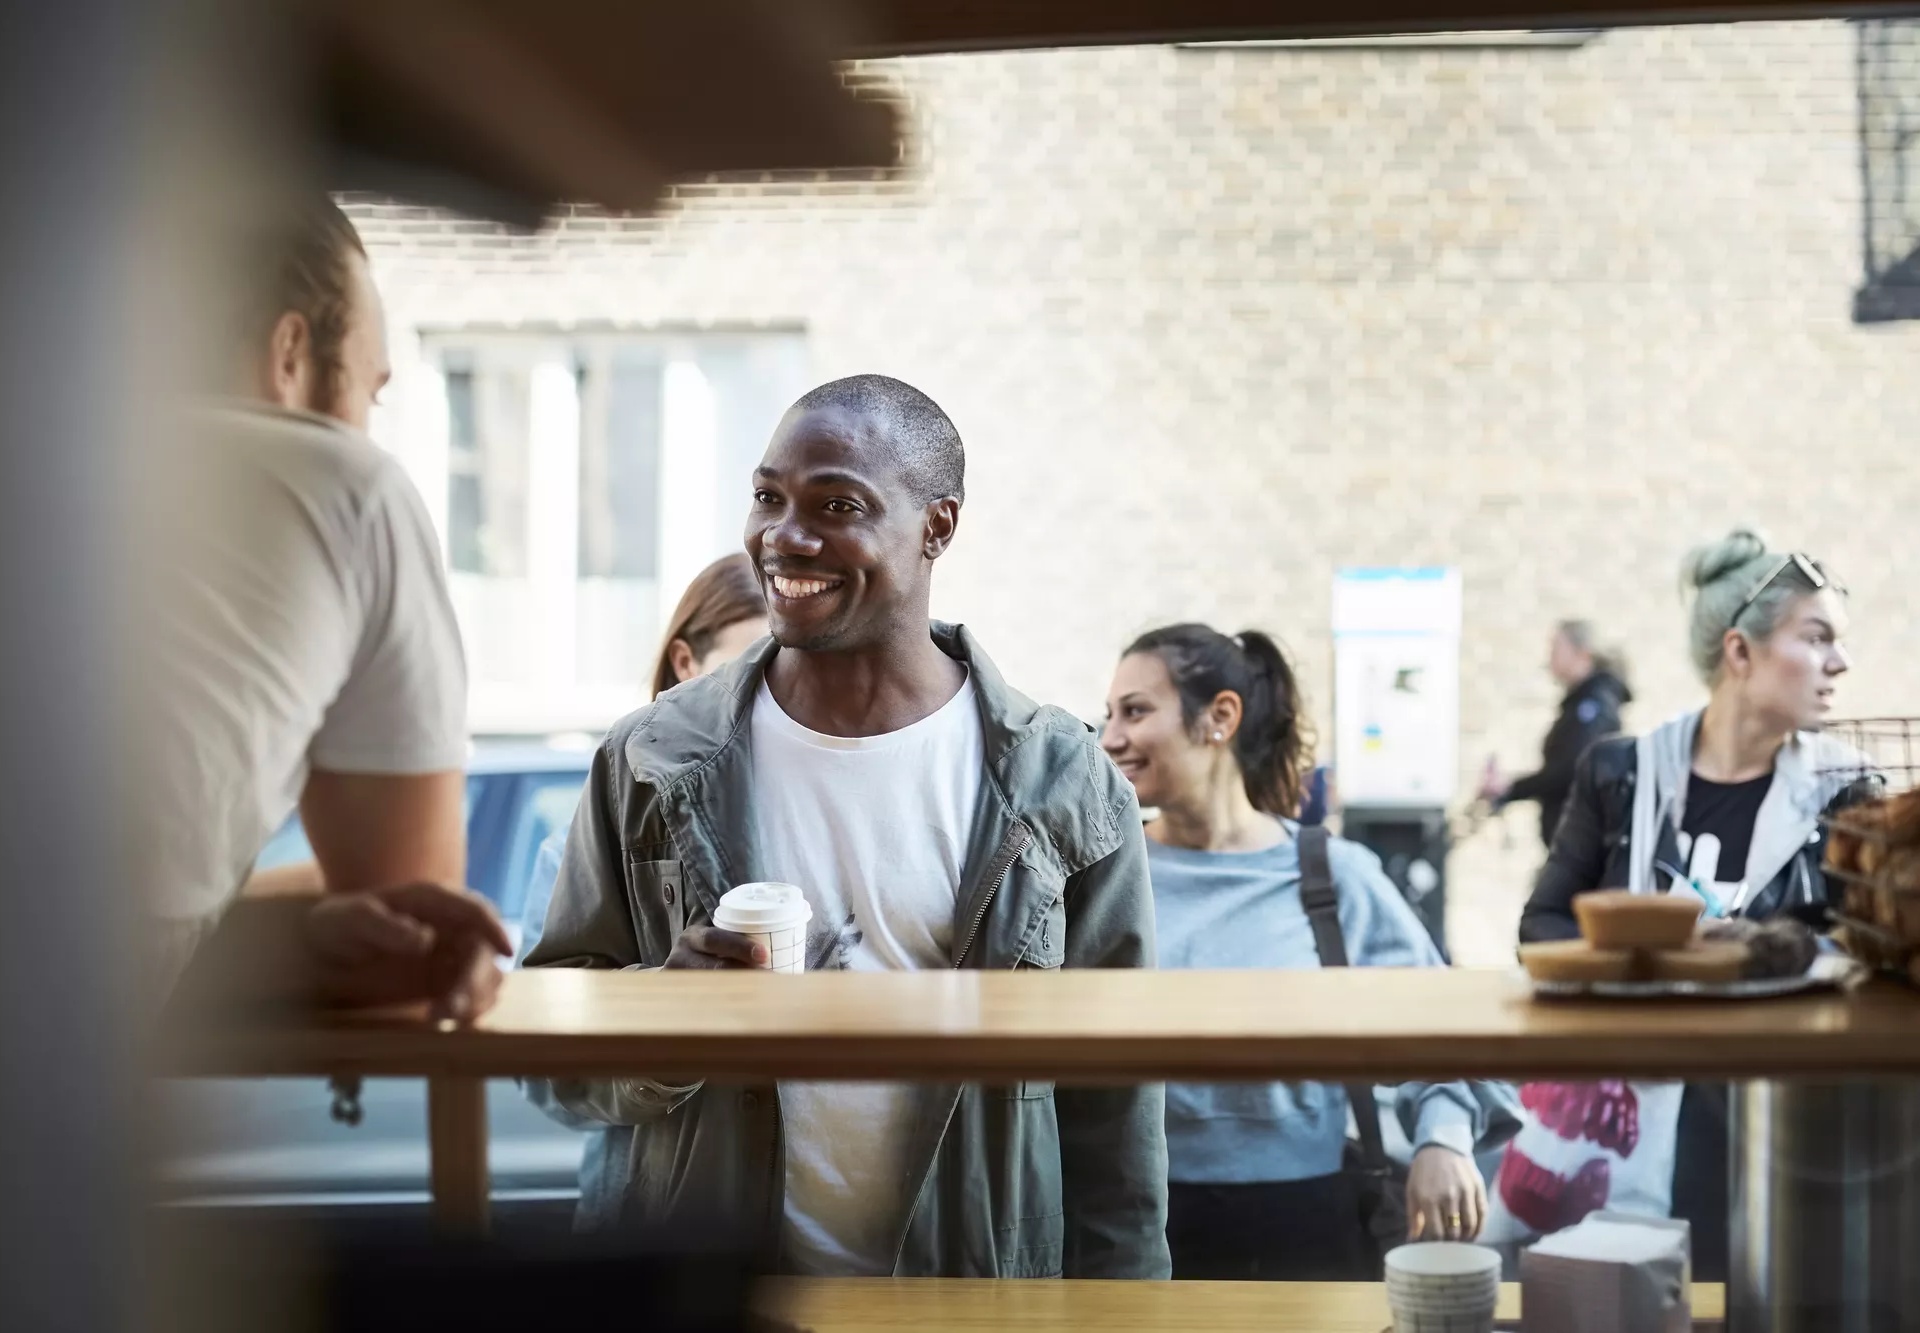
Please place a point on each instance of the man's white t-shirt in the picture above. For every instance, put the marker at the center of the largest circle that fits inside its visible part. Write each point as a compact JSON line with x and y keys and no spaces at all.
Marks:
{"x":297,"y":617}
{"x":874,"y":830}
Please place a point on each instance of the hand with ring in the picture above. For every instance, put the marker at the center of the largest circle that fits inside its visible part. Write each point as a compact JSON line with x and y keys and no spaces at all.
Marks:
{"x":1446,"y":1198}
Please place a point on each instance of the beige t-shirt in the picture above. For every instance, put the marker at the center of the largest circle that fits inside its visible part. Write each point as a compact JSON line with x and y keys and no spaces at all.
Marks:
{"x":294,"y":614}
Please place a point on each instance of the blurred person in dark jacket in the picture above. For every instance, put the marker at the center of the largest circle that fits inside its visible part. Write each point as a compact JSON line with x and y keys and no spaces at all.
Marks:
{"x":1596,"y":688}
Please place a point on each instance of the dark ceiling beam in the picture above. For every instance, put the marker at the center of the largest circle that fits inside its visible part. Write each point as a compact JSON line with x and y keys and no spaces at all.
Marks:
{"x":505,"y":107}
{"x":896,"y":27}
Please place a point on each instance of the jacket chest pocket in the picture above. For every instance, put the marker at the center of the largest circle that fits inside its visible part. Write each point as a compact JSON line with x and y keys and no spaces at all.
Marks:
{"x":657,"y":900}
{"x":1046,"y":948}
{"x":1046,"y":945}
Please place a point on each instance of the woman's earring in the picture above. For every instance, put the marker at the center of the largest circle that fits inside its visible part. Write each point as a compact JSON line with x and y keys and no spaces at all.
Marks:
{"x":1219,"y":736}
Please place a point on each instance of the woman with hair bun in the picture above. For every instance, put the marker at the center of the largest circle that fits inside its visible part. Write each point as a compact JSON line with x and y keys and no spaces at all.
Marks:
{"x":1751,"y":768}
{"x":1209,"y":730}
{"x":1724,"y":802}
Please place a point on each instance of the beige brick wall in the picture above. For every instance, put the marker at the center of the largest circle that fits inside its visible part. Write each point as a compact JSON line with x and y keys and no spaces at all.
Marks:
{"x":1214,"y":322}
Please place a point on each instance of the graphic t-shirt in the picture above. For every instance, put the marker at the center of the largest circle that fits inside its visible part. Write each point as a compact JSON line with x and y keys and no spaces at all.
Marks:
{"x":1728,"y":810}
{"x":874,"y":830}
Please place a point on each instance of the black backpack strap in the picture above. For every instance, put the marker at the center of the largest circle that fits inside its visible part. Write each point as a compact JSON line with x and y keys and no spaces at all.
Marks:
{"x":1322,"y":902}
{"x":1319,"y":897}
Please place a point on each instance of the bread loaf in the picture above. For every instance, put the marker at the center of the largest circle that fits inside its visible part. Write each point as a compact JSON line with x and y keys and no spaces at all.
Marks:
{"x":1902,"y":869}
{"x":1902,"y":818}
{"x":1843,"y":849}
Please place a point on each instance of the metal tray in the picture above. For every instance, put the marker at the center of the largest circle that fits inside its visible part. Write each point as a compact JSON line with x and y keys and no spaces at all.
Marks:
{"x":1830,"y":971}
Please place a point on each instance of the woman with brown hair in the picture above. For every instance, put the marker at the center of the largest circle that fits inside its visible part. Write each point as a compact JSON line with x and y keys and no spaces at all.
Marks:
{"x":1211,"y":733}
{"x":720,"y":614}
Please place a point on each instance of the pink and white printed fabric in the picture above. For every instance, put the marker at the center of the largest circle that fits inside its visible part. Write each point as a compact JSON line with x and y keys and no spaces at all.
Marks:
{"x":1583,"y":1147}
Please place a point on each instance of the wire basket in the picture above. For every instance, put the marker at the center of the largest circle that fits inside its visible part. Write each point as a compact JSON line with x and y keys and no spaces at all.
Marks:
{"x":1873,"y":859}
{"x":1885,"y":752}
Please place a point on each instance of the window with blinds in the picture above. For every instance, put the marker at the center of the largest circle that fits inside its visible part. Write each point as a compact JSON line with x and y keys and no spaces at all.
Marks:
{"x":1890,"y":169}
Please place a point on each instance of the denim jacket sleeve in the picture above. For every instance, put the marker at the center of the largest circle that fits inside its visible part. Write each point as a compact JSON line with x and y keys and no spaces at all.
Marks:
{"x":1113,"y":1141}
{"x":539,"y":895}
{"x":589,"y":924}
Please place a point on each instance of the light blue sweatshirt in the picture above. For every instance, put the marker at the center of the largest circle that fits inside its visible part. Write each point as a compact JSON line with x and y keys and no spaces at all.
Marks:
{"x":1242,"y":909}
{"x":533,"y":921}
{"x":533,"y":908}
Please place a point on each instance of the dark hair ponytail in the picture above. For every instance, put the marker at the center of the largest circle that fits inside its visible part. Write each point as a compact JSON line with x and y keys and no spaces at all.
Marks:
{"x":1274,"y":744}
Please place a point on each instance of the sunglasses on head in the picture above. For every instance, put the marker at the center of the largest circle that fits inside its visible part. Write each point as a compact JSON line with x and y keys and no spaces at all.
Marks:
{"x":1808,"y":571}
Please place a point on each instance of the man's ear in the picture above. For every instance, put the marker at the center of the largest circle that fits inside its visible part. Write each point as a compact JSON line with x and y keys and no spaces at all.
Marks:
{"x":290,"y":361}
{"x":943,"y":519}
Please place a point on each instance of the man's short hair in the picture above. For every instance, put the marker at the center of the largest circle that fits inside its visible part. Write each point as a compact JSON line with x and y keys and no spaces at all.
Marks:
{"x":302,"y":264}
{"x":928,"y":443}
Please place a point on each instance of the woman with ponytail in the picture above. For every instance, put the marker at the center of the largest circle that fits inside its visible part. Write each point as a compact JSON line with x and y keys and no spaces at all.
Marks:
{"x":1211,"y":733}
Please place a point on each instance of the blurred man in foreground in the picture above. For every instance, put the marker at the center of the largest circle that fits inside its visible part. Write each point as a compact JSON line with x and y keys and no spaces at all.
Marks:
{"x":299,"y":648}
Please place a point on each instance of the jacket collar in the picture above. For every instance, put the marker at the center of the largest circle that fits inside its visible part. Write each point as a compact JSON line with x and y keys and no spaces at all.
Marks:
{"x":693,"y":746}
{"x":1601,"y":684}
{"x":689,"y":725}
{"x":1810,"y":770}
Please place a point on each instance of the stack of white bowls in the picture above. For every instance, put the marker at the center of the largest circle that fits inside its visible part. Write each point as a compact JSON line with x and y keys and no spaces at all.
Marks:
{"x":1443,"y":1287}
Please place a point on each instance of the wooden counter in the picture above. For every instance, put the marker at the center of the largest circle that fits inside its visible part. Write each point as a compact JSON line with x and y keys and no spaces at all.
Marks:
{"x":1374,"y":1023}
{"x":855,"y":1305}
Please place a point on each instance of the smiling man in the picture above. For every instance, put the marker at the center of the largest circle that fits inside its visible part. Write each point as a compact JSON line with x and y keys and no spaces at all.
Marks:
{"x":935,"y":819}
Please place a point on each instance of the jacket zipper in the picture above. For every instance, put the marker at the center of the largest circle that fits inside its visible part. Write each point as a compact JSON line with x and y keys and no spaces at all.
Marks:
{"x":777,"y":1184}
{"x":1010,"y":850}
{"x":913,"y":1204}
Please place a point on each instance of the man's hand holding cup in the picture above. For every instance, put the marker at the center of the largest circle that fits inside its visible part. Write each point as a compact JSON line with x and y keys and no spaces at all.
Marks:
{"x":755,"y":925}
{"x":709,"y":948}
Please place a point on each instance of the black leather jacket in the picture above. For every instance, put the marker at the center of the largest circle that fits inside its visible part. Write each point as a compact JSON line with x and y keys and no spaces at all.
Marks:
{"x":1590,"y":712}
{"x":1590,"y":850}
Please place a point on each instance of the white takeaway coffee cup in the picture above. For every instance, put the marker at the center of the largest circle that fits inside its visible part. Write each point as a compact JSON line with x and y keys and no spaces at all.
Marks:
{"x":1443,"y":1287}
{"x":776,"y":915}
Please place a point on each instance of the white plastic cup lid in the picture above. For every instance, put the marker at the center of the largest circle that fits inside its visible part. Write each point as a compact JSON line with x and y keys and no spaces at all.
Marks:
{"x":1443,"y":1258}
{"x":768,"y":906}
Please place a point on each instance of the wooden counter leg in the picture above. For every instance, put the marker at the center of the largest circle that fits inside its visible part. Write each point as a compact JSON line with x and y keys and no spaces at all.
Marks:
{"x":457,"y":1143}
